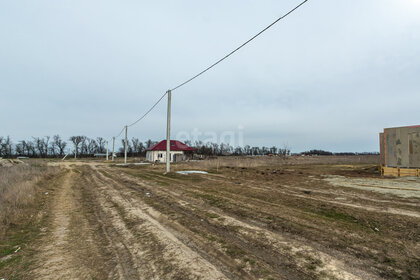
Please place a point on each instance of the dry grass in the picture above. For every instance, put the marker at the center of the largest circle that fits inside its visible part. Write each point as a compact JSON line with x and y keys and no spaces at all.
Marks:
{"x":18,"y":190}
{"x":259,"y":161}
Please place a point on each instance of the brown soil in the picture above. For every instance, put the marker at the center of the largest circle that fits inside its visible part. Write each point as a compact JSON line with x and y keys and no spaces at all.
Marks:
{"x":276,"y":222}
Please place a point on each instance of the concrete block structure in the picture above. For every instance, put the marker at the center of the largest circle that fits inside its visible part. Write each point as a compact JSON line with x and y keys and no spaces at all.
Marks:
{"x":400,"y":148}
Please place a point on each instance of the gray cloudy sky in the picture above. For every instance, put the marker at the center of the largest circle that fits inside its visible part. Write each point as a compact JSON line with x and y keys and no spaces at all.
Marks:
{"x":330,"y":76}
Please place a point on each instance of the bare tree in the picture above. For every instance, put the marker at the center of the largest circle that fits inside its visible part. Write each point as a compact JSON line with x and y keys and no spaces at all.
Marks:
{"x":39,"y":146}
{"x":24,"y":150}
{"x":53,"y":149}
{"x":149,"y":143}
{"x":60,"y":144}
{"x":138,"y":147}
{"x":2,"y":147}
{"x":42,"y":145}
{"x":225,"y":149}
{"x":273,"y":150}
{"x":188,"y":143}
{"x":76,"y":140}
{"x":92,"y":146}
{"x":46,"y":144}
{"x":19,"y":149}
{"x":215,"y":148}
{"x":30,"y":147}
{"x":285,"y":151}
{"x":8,"y":147}
{"x":238,"y":151}
{"x":129,"y":147}
{"x":101,"y":144}
{"x":84,"y":146}
{"x":247,"y":150}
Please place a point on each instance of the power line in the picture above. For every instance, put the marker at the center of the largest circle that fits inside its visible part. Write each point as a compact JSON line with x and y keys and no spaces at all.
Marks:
{"x":145,"y":114}
{"x":120,"y":132}
{"x":240,"y":47}
{"x":214,"y":64}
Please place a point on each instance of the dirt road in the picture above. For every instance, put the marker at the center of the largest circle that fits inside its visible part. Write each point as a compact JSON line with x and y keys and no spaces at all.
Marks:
{"x":109,"y":222}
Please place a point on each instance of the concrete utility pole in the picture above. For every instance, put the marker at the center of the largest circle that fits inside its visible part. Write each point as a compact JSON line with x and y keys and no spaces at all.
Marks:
{"x":113,"y":145}
{"x":75,"y":151}
{"x":168,"y":135}
{"x":125,"y":146}
{"x":106,"y":150}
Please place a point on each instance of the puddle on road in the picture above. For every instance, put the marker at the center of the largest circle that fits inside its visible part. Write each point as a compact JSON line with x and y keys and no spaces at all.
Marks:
{"x":187,"y":172}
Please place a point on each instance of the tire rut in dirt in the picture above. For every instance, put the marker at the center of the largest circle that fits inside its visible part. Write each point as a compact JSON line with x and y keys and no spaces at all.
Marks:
{"x":119,"y":256}
{"x":277,"y":264}
{"x":151,"y":243}
{"x":311,"y":222}
{"x":255,"y":216}
{"x":68,"y":249}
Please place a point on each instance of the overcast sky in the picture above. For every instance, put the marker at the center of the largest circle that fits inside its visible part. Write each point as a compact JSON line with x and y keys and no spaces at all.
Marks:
{"x":330,"y":76}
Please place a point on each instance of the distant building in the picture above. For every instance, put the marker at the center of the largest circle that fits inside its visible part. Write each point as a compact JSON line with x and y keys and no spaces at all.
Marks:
{"x":178,"y":152}
{"x":99,"y":155}
{"x":400,"y":149}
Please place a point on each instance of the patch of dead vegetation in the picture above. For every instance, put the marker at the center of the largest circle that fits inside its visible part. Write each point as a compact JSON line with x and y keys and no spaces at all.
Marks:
{"x":18,"y":191}
{"x":25,"y":190}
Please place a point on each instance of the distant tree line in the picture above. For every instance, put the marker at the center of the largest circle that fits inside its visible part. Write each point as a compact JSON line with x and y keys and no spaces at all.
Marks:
{"x":215,"y":149}
{"x":37,"y":147}
{"x":83,"y":146}
{"x":327,"y":153}
{"x":135,"y":147}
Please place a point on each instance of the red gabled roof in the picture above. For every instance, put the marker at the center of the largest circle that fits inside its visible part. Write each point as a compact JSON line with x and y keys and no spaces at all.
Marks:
{"x":175,"y":146}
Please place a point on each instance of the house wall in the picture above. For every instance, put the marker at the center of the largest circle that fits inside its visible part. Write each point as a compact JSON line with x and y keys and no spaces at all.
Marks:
{"x":414,"y":149}
{"x":153,"y":156}
{"x":382,"y":149}
{"x":400,"y":147}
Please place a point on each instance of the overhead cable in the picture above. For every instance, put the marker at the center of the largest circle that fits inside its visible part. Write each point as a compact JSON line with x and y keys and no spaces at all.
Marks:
{"x":214,"y":64}
{"x":240,"y":47}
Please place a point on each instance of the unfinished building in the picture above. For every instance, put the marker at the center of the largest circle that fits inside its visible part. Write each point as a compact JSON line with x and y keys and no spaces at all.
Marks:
{"x":400,"y":151}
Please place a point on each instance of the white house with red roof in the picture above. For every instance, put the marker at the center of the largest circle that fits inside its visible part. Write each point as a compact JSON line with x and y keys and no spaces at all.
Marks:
{"x":178,"y":151}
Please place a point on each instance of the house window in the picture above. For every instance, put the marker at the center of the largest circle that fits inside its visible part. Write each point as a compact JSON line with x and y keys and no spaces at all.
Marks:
{"x":160,"y":155}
